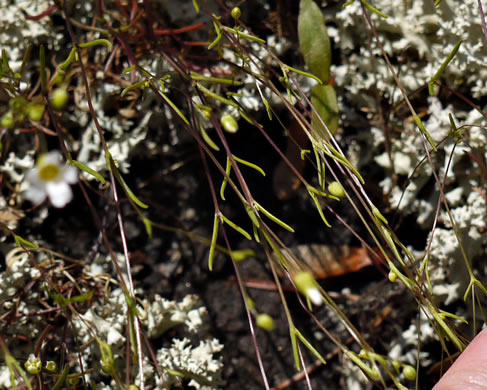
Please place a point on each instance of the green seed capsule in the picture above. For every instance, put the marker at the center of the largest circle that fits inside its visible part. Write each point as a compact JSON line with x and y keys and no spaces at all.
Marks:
{"x":409,"y":372}
{"x":17,"y":103}
{"x":72,"y":382}
{"x":35,"y":111}
{"x":396,"y":364}
{"x":7,"y":120}
{"x":205,"y":111}
{"x":336,"y":189}
{"x":392,"y":276}
{"x":229,"y":123}
{"x":59,"y":98}
{"x":236,"y":13}
{"x":265,"y":322}
{"x":51,"y":366}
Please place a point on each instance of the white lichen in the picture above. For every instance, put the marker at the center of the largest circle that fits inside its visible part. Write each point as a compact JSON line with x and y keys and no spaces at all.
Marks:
{"x":108,"y":321}
{"x":195,"y":363}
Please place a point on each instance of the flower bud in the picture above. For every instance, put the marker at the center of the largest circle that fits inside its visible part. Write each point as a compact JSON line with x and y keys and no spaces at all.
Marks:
{"x":336,"y":189}
{"x":409,"y":372}
{"x":35,"y":111}
{"x":392,"y":276}
{"x":236,"y":13}
{"x":72,"y":382}
{"x":250,"y":304}
{"x":307,"y":286}
{"x":59,"y":98}
{"x":7,"y":120}
{"x":229,"y":123}
{"x":265,"y":322}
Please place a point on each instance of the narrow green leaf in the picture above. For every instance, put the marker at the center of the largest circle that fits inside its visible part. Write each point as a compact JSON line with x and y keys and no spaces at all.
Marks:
{"x":208,"y":140}
{"x":443,"y":66}
{"x":88,"y":170}
{"x":425,"y":132}
{"x":69,"y":60}
{"x":108,"y":366}
{"x":126,"y":188}
{"x":25,"y":60}
{"x":228,"y":169}
{"x":241,"y":34}
{"x":175,"y":373}
{"x":80,"y":298}
{"x":294,"y":345}
{"x":320,"y":164}
{"x":174,"y":107}
{"x":303,"y":73}
{"x":274,"y":218}
{"x":218,"y":80}
{"x":129,"y":69}
{"x":313,"y":40}
{"x":214,"y":236}
{"x":140,"y":84}
{"x":256,"y":233}
{"x":252,"y":121}
{"x":309,"y":346}
{"x":318,"y":207}
{"x":62,"y":378}
{"x":249,"y":164}
{"x":237,"y":228}
{"x":252,"y":215}
{"x":219,"y":36}
{"x":96,"y":42}
{"x":335,"y":155}
{"x":21,"y":242}
{"x":242,"y":254}
{"x":215,"y":96}
{"x":148,"y":226}
{"x":62,"y":301}
{"x":373,"y":9}
{"x":6,"y":65}
{"x":378,"y":216}
{"x":265,"y":101}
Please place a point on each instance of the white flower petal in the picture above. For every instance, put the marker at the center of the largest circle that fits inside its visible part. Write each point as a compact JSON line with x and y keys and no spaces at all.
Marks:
{"x":32,"y":177}
{"x":59,"y":193}
{"x":36,"y":195}
{"x":315,"y":296}
{"x":70,"y":174}
{"x":53,"y":157}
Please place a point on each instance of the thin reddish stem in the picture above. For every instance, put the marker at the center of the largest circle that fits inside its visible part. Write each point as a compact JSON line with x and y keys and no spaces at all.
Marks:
{"x":47,"y":12}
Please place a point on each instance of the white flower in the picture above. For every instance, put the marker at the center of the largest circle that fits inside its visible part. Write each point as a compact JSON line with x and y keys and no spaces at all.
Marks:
{"x":49,"y":178}
{"x":33,"y":365}
{"x":307,"y":285}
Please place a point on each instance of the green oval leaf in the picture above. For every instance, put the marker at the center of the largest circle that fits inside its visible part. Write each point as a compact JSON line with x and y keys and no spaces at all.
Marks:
{"x":324,"y":100}
{"x":313,"y":40}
